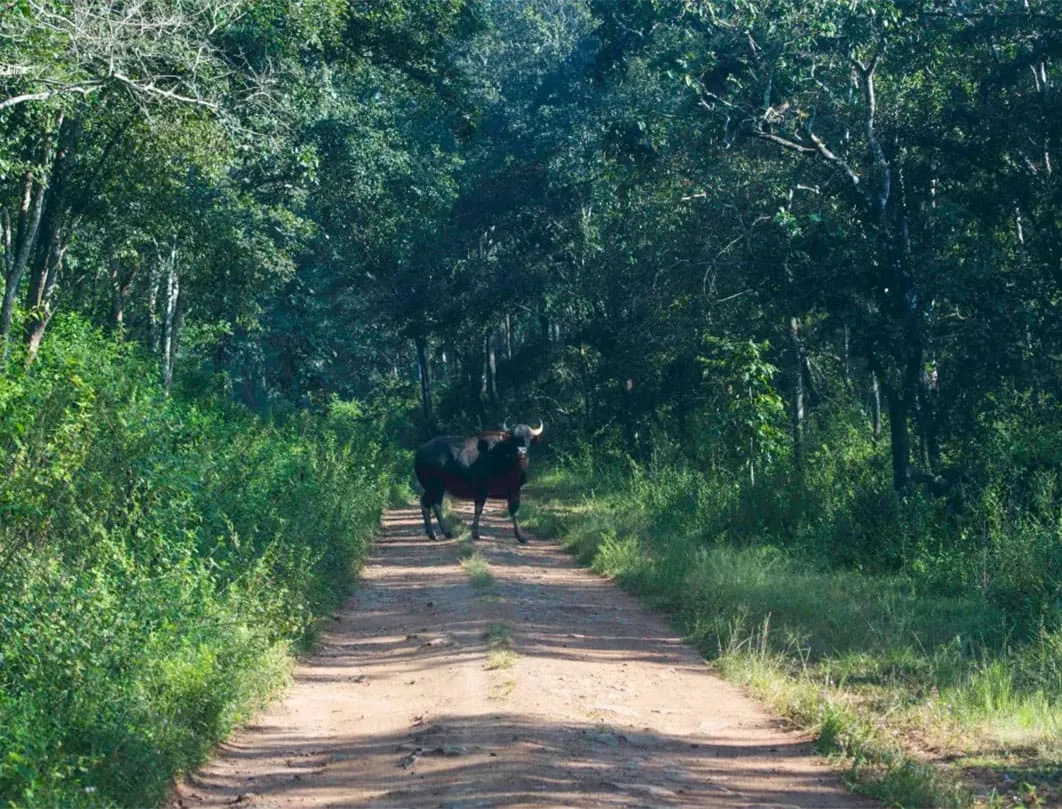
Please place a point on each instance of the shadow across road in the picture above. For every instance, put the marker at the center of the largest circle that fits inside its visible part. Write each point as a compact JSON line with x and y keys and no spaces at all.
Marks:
{"x":594,"y":702}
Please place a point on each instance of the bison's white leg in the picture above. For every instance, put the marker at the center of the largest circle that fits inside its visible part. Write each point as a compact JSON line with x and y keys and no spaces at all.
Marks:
{"x":514,"y":506}
{"x":475,"y":520}
{"x":437,"y":508}
{"x":431,"y":500}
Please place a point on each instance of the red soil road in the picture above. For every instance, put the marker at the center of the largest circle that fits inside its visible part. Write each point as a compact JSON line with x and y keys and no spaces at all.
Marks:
{"x":601,"y":705}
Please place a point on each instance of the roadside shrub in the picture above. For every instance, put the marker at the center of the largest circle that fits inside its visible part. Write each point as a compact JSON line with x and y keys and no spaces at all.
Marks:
{"x":158,"y":558}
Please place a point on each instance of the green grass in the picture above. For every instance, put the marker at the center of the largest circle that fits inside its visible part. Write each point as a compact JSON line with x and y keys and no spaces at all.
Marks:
{"x":478,"y":571}
{"x":500,"y":659}
{"x":904,"y":682}
{"x":498,"y":635}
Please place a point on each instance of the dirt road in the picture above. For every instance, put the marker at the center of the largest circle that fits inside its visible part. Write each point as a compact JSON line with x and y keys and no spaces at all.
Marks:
{"x":547,"y":688}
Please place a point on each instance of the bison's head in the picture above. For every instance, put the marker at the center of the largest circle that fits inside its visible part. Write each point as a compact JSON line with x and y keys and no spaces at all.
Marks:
{"x":523,"y":437}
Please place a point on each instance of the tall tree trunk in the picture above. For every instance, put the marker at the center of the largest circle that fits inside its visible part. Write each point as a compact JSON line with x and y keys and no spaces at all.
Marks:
{"x":43,"y":282}
{"x":847,"y":359}
{"x":899,"y":438}
{"x":424,"y":370}
{"x":875,"y":407}
{"x":902,"y":395}
{"x":588,"y":390}
{"x":169,"y":323}
{"x":796,"y":350}
{"x":120,"y":286}
{"x":155,"y":323}
{"x":627,"y":410}
{"x":20,"y":237}
{"x":796,"y":410}
{"x":58,"y":223}
{"x":927,"y":418}
{"x":492,"y":374}
{"x":118,"y":293}
{"x":752,"y":462}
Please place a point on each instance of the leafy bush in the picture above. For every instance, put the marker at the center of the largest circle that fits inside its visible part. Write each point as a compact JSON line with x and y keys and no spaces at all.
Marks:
{"x":158,"y":558}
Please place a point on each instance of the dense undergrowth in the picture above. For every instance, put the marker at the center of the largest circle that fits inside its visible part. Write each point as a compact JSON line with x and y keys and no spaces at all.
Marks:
{"x":159,"y":559}
{"x":920,"y":638}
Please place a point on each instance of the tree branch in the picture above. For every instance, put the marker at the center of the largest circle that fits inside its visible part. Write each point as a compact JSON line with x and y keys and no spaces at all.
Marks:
{"x":150,"y":88}
{"x":44,"y":95}
{"x":785,"y":143}
{"x":825,"y":152}
{"x":881,"y":195}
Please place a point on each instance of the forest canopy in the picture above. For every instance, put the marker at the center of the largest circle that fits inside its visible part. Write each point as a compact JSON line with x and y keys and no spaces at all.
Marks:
{"x":663,"y":226}
{"x":806,"y":255}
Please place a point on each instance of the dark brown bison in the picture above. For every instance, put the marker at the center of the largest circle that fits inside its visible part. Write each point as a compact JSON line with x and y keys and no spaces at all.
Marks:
{"x":492,"y":464}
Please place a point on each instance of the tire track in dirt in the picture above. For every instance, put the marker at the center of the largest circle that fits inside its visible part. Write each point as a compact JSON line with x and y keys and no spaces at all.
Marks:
{"x":602,"y":705}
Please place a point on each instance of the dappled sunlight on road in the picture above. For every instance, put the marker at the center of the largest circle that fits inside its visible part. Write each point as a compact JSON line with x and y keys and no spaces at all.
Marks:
{"x":596,"y":703}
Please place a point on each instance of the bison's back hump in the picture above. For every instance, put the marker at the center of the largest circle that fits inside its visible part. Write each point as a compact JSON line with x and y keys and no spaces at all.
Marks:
{"x":439,"y":451}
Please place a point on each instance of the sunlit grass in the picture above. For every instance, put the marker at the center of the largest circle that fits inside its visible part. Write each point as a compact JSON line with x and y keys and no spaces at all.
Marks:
{"x":498,"y":635}
{"x":501,"y":659}
{"x":902,"y":683}
{"x":478,"y":571}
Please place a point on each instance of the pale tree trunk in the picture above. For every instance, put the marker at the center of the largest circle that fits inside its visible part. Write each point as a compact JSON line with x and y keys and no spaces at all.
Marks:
{"x":1042,"y":83}
{"x":875,"y":407}
{"x":165,"y":282}
{"x":588,"y":388}
{"x":43,"y":284}
{"x":58,"y":224}
{"x":153,"y":307}
{"x":170,"y":321}
{"x":483,"y":394}
{"x":118,"y":293}
{"x":797,"y":406}
{"x":45,"y":272}
{"x":752,"y":462}
{"x":927,"y":428}
{"x":796,"y":347}
{"x":120,"y":286}
{"x":492,"y":374}
{"x":846,"y":360}
{"x":424,"y":368}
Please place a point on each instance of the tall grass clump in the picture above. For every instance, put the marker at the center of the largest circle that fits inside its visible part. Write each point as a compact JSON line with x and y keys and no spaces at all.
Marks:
{"x":159,"y":556}
{"x":865,"y":615}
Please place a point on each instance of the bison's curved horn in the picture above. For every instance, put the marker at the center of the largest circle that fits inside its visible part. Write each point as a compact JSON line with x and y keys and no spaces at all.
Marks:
{"x":537,"y":431}
{"x":505,"y":425}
